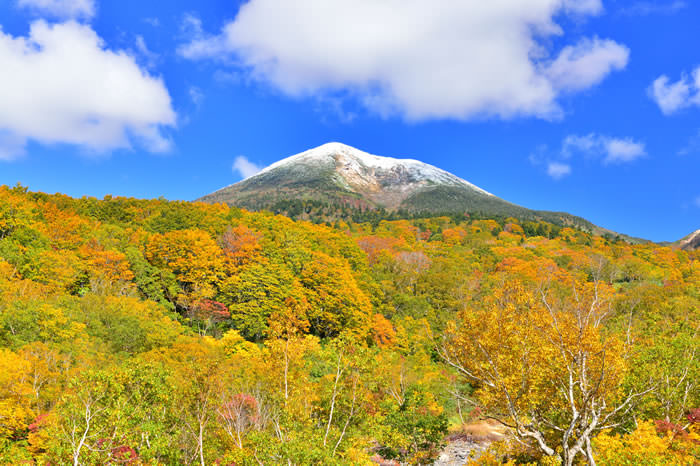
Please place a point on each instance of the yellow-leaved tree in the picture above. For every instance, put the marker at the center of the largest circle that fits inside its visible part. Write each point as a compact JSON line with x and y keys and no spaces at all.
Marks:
{"x":15,"y":394}
{"x":542,"y":363}
{"x":194,"y":257}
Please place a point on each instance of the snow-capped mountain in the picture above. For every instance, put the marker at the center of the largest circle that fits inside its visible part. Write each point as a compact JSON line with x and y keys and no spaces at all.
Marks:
{"x":365,"y":170}
{"x":386,"y":181}
{"x":337,"y":176}
{"x":338,"y":172}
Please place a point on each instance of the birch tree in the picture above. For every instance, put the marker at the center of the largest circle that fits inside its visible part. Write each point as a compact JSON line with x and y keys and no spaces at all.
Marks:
{"x":543,"y":364}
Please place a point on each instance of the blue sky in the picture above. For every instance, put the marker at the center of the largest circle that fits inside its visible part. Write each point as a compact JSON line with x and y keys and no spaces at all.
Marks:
{"x":590,"y":107}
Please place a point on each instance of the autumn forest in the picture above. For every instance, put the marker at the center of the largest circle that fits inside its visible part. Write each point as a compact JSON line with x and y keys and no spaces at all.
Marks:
{"x":159,"y":332}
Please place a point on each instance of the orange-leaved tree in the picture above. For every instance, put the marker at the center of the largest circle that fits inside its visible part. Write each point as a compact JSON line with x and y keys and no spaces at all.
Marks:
{"x":240,"y":244}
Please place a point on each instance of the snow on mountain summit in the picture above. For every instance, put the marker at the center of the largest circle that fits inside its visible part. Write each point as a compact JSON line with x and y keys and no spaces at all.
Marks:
{"x":359,"y":168}
{"x":335,"y":181}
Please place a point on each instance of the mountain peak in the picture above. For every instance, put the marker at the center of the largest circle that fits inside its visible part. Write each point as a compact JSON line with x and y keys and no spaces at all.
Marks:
{"x":334,"y":149}
{"x":356,"y":169}
{"x":335,"y":177}
{"x":331,"y":149}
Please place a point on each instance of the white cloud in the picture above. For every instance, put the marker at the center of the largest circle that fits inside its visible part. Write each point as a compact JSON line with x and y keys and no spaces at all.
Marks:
{"x":11,"y":145}
{"x":196,"y":96}
{"x":608,"y":150}
{"x":586,"y":144}
{"x":613,"y":150}
{"x":149,"y":57}
{"x":245,"y":167}
{"x":692,"y":146}
{"x":61,"y":85}
{"x":415,"y":58}
{"x":191,"y":25}
{"x":623,"y":150}
{"x":558,"y":170}
{"x":672,"y":97}
{"x":63,"y":9}
{"x":649,"y":8}
{"x":586,"y":64}
{"x":586,"y":7}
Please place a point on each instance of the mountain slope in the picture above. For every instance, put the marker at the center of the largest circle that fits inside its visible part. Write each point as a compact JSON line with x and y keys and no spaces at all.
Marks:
{"x":339,"y":174}
{"x":690,"y":242}
{"x":338,"y":171}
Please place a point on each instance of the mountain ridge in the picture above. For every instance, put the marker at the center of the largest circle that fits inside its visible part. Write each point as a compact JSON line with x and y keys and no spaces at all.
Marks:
{"x":338,"y":174}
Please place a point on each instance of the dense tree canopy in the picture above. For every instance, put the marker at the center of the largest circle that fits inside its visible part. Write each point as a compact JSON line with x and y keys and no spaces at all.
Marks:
{"x":156,"y":332}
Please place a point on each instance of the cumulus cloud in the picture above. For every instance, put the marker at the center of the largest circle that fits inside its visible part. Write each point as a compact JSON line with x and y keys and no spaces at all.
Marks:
{"x":63,"y":9}
{"x":586,"y":64}
{"x":597,"y":147}
{"x":584,"y":144}
{"x":61,"y":85}
{"x":458,"y":60}
{"x":672,"y":97}
{"x":244,"y":167}
{"x":623,"y":150}
{"x":611,"y":149}
{"x":558,"y":170}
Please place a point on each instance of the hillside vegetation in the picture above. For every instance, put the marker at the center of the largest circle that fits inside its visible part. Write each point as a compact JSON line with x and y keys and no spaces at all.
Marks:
{"x":338,"y":182}
{"x":156,"y":332}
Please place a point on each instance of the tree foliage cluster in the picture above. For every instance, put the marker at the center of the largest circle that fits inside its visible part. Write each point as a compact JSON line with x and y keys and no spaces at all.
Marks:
{"x":156,"y":332}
